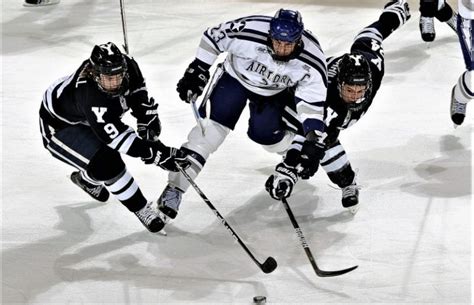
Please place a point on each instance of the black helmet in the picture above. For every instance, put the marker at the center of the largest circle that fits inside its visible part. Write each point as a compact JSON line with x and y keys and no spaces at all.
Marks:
{"x":354,"y":69}
{"x":107,"y":59}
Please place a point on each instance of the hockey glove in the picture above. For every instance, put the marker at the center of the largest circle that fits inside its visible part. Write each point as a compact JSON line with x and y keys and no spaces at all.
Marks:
{"x":280,"y":184}
{"x":311,"y":154}
{"x":148,"y":123}
{"x":192,"y":84}
{"x":166,"y":157}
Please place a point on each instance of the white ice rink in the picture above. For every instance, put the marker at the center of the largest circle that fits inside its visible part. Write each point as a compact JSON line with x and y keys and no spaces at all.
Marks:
{"x":411,"y":237}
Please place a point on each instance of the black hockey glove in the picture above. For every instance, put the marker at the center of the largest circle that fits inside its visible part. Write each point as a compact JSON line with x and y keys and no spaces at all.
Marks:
{"x":166,"y":157}
{"x":311,"y":154}
{"x":148,"y":122}
{"x":191,"y":85}
{"x":280,"y":184}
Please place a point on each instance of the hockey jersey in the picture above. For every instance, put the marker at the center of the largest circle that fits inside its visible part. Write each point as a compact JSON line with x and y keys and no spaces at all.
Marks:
{"x":76,"y":99}
{"x":249,"y":61}
{"x":338,"y":116}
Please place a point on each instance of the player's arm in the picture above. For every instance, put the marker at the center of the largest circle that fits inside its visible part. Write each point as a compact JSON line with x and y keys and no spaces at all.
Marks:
{"x":144,"y":109}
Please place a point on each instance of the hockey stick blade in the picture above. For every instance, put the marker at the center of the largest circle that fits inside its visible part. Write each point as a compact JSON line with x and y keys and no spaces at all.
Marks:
{"x":268,"y":265}
{"x":319,"y":272}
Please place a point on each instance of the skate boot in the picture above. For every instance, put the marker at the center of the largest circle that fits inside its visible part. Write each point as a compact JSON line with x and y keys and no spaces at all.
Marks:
{"x":150,"y":218}
{"x":169,"y":202}
{"x":427,"y":29}
{"x":458,"y":110}
{"x":350,"y":197}
{"x":96,"y":191}
{"x":40,"y":2}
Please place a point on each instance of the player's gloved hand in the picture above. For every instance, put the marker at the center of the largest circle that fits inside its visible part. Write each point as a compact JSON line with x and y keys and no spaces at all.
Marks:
{"x":311,"y":154}
{"x":280,"y":184}
{"x":195,"y":78}
{"x":166,"y":157}
{"x":148,"y":122}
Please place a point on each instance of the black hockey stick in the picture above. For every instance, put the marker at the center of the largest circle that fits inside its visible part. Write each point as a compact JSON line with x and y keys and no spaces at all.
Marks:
{"x":124,"y":27}
{"x":305,"y":245}
{"x":268,"y":265}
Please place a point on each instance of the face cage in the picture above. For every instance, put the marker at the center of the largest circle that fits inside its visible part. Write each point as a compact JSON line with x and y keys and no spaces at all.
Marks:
{"x":119,"y":90}
{"x":359,"y":103}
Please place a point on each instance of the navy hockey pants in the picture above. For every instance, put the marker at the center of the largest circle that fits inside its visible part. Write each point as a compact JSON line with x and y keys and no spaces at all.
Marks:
{"x":74,"y":145}
{"x":229,"y":98}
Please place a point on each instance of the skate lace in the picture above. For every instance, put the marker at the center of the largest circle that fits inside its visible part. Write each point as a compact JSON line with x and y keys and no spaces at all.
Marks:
{"x":459,"y":107}
{"x":171,"y":198}
{"x":146,"y":214}
{"x":350,"y":190}
{"x":95,"y":190}
{"x":427,"y":25}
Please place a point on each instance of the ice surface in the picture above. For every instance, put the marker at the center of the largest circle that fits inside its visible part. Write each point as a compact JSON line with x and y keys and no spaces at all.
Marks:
{"x":411,"y":237}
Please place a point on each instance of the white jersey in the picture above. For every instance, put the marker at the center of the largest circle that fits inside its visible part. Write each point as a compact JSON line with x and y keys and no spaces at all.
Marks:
{"x":250,"y":62}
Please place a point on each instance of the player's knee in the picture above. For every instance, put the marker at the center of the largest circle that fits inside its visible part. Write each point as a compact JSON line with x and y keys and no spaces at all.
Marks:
{"x":208,"y":143}
{"x":106,"y":164}
{"x":282,"y":145}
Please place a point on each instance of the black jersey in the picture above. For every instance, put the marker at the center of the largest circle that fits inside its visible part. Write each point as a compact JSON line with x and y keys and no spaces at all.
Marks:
{"x":338,"y":116}
{"x":77,"y":99}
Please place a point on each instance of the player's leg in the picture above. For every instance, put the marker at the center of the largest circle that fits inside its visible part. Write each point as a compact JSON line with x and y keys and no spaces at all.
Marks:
{"x":428,"y":9}
{"x":78,"y":146}
{"x":463,"y":90}
{"x":340,"y":172}
{"x":227,"y":99}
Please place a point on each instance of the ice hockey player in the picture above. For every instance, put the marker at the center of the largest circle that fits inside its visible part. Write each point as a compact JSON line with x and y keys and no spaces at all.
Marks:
{"x":80,"y":121}
{"x":354,"y":79}
{"x":265,"y":56}
{"x":463,"y":91}
{"x":429,"y":9}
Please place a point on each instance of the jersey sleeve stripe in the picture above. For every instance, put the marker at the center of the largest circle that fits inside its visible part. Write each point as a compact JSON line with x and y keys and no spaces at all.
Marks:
{"x":123,"y":141}
{"x":369,"y":32}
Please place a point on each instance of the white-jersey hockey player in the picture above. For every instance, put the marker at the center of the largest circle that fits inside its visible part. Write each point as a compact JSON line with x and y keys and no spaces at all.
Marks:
{"x":80,"y":121}
{"x":463,"y":91}
{"x":439,"y":9}
{"x":265,"y":56}
{"x":353,"y":81}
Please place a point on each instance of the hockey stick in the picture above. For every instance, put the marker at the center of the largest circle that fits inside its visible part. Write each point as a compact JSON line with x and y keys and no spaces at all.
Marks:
{"x":192,"y":99}
{"x":305,"y":245}
{"x":268,"y":265}
{"x":192,"y":102}
{"x":124,"y":27}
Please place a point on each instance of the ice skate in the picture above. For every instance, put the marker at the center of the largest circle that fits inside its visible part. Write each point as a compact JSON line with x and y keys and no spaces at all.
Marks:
{"x":427,"y":29}
{"x":350,"y":197}
{"x":96,"y":191}
{"x":458,"y":110}
{"x":169,"y":202}
{"x":150,"y":218}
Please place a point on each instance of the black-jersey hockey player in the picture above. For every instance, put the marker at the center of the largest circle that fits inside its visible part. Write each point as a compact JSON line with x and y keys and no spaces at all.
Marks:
{"x":80,"y":121}
{"x":353,"y":80}
{"x":265,"y":56}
